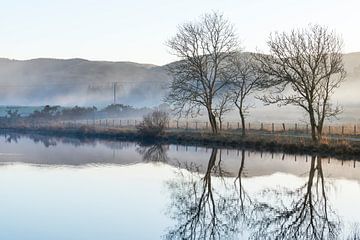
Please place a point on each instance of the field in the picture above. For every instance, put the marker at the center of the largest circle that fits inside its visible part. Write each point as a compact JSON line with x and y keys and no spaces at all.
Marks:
{"x":343,"y":142}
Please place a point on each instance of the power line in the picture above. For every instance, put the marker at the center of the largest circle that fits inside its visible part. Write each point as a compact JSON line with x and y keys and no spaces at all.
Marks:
{"x":77,"y":83}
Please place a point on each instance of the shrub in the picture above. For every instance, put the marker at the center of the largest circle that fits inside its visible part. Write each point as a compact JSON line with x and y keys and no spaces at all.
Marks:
{"x":13,"y":114}
{"x":47,"y":113}
{"x":153,"y":124}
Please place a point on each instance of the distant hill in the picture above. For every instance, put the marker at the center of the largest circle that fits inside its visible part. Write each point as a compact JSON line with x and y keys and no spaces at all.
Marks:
{"x":78,"y":81}
{"x":83,"y":82}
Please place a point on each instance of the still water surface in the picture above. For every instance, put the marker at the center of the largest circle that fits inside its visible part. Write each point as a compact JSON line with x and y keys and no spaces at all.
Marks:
{"x":63,"y":188}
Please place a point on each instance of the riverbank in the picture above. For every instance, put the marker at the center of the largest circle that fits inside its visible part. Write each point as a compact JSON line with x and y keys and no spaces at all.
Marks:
{"x":340,"y":148}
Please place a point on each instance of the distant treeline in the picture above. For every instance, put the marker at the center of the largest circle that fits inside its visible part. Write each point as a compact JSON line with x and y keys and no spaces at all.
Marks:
{"x":73,"y":113}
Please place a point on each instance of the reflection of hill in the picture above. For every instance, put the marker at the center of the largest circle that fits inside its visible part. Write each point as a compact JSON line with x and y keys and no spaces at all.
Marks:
{"x":262,"y":164}
{"x":40,"y":149}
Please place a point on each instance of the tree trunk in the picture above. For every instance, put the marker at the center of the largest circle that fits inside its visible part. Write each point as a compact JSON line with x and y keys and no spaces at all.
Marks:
{"x":314,"y":136}
{"x":212,"y":120}
{"x":242,"y":117}
{"x":320,"y":129}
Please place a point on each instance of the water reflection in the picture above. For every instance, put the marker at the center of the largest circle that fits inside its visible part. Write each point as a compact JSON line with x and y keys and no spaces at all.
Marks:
{"x":244,"y":197}
{"x":153,"y":153}
{"x":205,"y":206}
{"x":46,"y":140}
{"x":301,"y":213}
{"x":212,"y":193}
{"x":201,"y":212}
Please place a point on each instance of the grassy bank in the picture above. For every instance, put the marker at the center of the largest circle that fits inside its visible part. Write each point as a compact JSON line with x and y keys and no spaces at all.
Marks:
{"x":339,"y":148}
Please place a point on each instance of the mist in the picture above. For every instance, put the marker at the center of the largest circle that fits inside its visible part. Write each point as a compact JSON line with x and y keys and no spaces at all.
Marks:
{"x":80,"y":82}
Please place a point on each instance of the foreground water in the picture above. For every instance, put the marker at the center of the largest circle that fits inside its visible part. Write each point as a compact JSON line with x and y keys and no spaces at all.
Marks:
{"x":62,"y":188}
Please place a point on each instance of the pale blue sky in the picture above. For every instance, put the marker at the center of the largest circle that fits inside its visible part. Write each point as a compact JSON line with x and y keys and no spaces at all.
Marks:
{"x":137,"y":30}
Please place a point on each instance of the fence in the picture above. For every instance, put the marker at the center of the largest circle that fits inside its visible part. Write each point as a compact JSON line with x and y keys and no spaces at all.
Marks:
{"x":251,"y":127}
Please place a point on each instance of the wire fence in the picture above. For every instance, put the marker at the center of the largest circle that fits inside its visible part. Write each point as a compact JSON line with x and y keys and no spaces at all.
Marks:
{"x":251,"y":127}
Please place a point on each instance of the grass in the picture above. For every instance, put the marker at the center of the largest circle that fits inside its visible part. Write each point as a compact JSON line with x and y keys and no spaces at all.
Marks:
{"x":338,"y":147}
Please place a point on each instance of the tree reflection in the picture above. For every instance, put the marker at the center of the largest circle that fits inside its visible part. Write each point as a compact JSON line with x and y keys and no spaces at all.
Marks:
{"x":200,"y":211}
{"x":244,"y":198}
{"x":205,"y":207}
{"x":11,"y":138}
{"x":303,"y":213}
{"x":15,"y":137}
{"x":153,"y":153}
{"x":354,"y":233}
{"x":49,"y":140}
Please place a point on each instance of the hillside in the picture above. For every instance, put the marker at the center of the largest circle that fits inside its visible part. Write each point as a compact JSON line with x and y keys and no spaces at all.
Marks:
{"x":82,"y":82}
{"x":78,"y":81}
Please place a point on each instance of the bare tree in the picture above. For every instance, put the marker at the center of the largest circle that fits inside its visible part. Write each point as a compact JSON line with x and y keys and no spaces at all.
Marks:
{"x":204,"y":48}
{"x":245,"y":80}
{"x":153,"y":124}
{"x":304,"y":68}
{"x":223,"y":106}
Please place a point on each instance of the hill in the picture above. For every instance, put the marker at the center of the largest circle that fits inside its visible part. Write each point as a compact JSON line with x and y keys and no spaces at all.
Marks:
{"x":78,"y":81}
{"x":83,"y":82}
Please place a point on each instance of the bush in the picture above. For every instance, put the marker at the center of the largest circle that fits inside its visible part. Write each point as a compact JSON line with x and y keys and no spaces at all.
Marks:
{"x":153,"y":124}
{"x":78,"y":112}
{"x":47,"y":113}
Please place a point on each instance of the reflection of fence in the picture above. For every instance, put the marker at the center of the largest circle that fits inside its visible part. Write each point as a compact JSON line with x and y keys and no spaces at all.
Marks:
{"x":299,"y":128}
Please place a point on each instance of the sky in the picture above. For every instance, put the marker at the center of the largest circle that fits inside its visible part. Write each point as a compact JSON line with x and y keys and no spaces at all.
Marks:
{"x":137,"y":30}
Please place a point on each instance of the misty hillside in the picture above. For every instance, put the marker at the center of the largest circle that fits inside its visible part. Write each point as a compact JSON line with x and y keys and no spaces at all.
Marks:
{"x":349,"y":90}
{"x":78,"y":81}
{"x":83,"y":82}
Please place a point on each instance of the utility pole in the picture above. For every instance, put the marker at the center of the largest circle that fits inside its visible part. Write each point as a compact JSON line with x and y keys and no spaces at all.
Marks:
{"x":114,"y":85}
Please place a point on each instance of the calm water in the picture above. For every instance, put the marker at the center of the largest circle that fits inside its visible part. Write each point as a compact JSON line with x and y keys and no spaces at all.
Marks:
{"x":62,"y":188}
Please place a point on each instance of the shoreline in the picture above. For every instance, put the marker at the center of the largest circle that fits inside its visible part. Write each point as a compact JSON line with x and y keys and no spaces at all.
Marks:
{"x":341,"y":149}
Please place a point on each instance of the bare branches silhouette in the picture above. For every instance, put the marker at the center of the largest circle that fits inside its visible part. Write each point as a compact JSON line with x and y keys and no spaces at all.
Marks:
{"x":153,"y":153}
{"x":200,"y":211}
{"x":303,"y":213}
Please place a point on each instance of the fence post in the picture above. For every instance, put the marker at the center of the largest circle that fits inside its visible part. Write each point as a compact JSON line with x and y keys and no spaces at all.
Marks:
{"x":354,"y":129}
{"x":227,"y":125}
{"x":262,"y":127}
{"x":177,"y":124}
{"x":283,"y":125}
{"x":342,"y":130}
{"x":206,"y":125}
{"x":113,"y":123}
{"x":195,"y":125}
{"x":295,"y":127}
{"x":187,"y":125}
{"x":249,"y":126}
{"x":272,"y":128}
{"x":120,"y":123}
{"x":238,"y":125}
{"x":128,"y":122}
{"x":329,"y":130}
{"x":307,"y":128}
{"x":100,"y":122}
